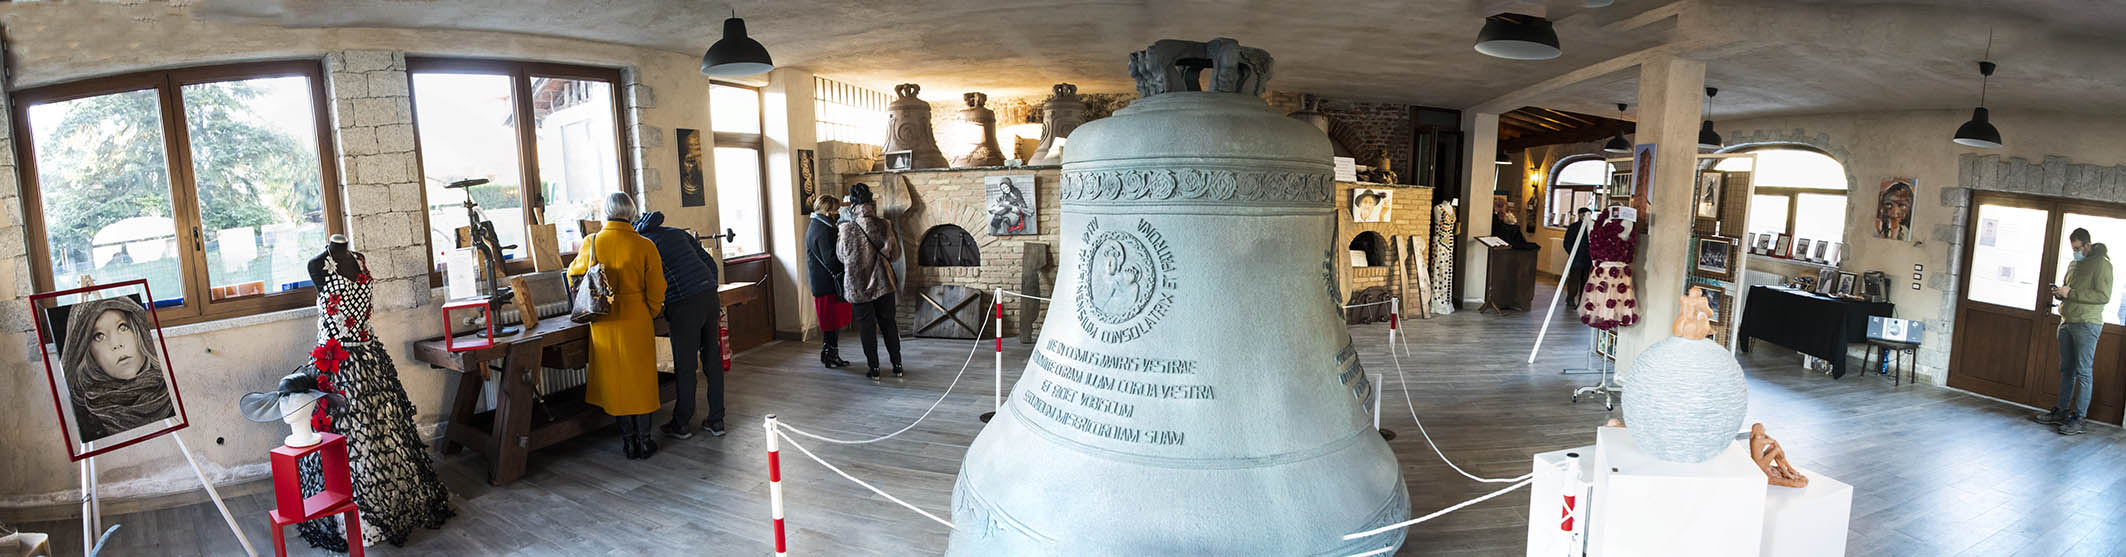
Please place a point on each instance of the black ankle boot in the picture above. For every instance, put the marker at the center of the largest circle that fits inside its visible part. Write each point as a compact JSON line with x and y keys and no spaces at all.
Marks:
{"x":873,"y":374}
{"x":628,"y":446}
{"x":835,"y":353}
{"x":898,"y":372}
{"x":826,"y":356}
{"x":648,"y":445}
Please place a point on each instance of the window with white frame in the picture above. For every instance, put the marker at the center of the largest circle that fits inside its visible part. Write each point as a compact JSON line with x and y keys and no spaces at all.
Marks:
{"x":1800,"y":192}
{"x":1573,"y":186}
{"x":848,"y":113}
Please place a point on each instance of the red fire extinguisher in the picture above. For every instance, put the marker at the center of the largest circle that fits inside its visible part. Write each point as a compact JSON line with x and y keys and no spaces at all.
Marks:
{"x":723,"y":337}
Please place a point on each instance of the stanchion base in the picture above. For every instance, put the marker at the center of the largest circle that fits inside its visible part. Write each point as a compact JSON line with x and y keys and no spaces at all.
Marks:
{"x":987,"y":415}
{"x":1387,"y":435}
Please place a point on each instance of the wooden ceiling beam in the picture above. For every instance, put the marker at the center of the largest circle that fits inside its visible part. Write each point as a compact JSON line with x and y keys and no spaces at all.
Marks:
{"x":1582,"y":135}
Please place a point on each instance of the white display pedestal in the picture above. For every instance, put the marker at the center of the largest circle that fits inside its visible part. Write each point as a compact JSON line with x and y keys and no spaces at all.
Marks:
{"x":1808,"y":521}
{"x":1548,"y":533}
{"x":1644,"y":506}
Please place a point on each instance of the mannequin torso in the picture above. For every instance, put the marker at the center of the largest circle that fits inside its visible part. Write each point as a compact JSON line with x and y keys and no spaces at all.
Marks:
{"x":344,"y":260}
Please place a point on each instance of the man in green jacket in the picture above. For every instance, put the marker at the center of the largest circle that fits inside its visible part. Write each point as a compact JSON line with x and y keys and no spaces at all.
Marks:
{"x":2082,"y":301}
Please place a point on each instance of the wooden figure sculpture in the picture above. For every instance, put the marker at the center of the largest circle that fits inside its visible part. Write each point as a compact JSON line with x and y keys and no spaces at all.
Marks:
{"x":1694,"y":321}
{"x":1772,"y":460}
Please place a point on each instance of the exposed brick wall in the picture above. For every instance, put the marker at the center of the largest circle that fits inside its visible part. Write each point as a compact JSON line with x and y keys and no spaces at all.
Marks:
{"x":1365,"y":127}
{"x":1410,"y":216}
{"x":958,"y":197}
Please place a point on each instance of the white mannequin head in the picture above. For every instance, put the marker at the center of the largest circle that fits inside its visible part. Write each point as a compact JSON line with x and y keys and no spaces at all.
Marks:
{"x":295,"y":410}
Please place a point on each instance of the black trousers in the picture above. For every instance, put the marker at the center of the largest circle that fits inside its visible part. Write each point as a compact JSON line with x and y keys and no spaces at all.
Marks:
{"x":696,"y":345}
{"x":873,"y":319}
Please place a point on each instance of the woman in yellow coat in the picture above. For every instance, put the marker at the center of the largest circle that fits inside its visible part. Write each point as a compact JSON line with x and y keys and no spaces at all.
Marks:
{"x":623,"y":370}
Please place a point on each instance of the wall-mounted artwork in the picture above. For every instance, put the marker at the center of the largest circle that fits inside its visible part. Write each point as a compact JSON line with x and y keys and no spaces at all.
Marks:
{"x":1893,"y":209}
{"x":1709,"y":191}
{"x":900,"y":160}
{"x":692,"y":190}
{"x":1716,"y":258}
{"x":108,"y":369}
{"x":807,"y":175}
{"x":1011,"y":205}
{"x":1372,"y":204}
{"x":1642,"y":170}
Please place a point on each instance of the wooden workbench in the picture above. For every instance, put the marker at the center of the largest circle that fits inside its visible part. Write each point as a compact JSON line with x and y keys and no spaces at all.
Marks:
{"x":521,"y":421}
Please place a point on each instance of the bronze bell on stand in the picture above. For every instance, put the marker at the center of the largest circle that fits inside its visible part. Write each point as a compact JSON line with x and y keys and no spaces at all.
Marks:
{"x":1061,"y":114}
{"x":980,"y":117}
{"x":1194,"y":390}
{"x":908,"y":128}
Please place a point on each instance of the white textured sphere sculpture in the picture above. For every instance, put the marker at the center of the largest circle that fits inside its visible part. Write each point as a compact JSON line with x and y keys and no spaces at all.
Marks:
{"x":1685,"y":399}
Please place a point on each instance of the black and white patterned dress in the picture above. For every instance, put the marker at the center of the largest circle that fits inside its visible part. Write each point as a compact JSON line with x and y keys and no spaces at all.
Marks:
{"x":395,"y":483}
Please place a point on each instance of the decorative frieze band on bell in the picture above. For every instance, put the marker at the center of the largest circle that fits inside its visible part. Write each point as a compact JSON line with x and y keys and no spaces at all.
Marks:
{"x":1194,"y":390}
{"x":908,"y":128}
{"x":978,"y":116}
{"x":1061,"y":114}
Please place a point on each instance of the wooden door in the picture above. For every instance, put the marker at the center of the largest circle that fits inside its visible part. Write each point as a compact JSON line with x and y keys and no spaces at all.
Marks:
{"x":2006,"y":344}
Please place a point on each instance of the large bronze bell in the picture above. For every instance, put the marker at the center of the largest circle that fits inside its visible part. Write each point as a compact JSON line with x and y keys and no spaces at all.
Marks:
{"x":908,"y":128}
{"x":1194,"y":390}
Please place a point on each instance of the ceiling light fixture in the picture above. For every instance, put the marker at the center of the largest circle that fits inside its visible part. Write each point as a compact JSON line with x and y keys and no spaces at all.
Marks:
{"x":1617,"y":145}
{"x":1517,"y":37}
{"x":1979,"y":132}
{"x":735,"y":55}
{"x":1707,"y":138}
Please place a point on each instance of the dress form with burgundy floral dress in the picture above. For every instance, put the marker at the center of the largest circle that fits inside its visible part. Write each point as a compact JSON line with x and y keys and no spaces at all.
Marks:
{"x":395,"y":483}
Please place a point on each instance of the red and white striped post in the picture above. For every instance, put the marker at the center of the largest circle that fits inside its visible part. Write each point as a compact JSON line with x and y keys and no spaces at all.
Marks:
{"x":998,"y":387}
{"x":782,"y":548}
{"x":1395,"y":319}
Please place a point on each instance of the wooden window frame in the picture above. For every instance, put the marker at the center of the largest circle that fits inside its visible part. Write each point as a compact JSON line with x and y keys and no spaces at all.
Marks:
{"x":199,"y":305}
{"x":520,"y":74}
{"x":1551,"y":183}
{"x":1793,"y":203}
{"x":758,"y":142}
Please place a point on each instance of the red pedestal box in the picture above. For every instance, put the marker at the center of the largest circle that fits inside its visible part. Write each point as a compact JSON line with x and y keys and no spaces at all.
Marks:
{"x":450,"y":342}
{"x":337,"y":498}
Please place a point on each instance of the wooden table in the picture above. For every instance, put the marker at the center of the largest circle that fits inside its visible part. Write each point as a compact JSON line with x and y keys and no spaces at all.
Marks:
{"x":522,"y":421}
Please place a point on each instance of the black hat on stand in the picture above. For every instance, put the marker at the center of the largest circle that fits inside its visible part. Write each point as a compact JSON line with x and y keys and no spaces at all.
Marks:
{"x":265,"y":407}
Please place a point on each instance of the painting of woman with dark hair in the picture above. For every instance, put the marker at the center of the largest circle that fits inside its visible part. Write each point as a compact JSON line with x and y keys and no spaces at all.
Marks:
{"x":1893,"y":210}
{"x":115,"y":378}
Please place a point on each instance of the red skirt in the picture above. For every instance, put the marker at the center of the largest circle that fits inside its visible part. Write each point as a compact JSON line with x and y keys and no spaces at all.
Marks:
{"x":834,"y":313}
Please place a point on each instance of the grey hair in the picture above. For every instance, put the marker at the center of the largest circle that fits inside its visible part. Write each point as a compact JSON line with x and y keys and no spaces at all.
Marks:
{"x":620,"y":205}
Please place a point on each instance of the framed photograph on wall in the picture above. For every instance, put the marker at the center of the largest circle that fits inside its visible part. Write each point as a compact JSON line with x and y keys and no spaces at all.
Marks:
{"x":1372,"y":204}
{"x":1716,"y":298}
{"x":900,"y":160}
{"x":1011,"y":205}
{"x":1709,"y":192}
{"x":1620,"y":185}
{"x":109,"y":372}
{"x":1716,"y":258}
{"x":1845,"y":283}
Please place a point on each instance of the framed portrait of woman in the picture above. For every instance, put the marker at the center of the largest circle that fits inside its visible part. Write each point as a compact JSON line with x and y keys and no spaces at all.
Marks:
{"x":110,"y":373}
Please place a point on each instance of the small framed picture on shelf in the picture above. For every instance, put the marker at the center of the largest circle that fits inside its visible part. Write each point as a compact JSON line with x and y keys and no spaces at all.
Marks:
{"x":1823,"y":252}
{"x":900,"y":160}
{"x":1750,"y":242}
{"x":1716,"y":258}
{"x":1845,"y":283}
{"x":1782,"y":246}
{"x":1826,"y":281}
{"x":1801,"y":249}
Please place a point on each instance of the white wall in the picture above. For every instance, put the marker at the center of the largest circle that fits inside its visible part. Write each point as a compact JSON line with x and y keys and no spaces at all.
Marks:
{"x":217,"y":362}
{"x":1915,"y":144}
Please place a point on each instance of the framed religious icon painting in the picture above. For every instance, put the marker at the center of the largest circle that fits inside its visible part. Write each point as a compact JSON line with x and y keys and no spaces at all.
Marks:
{"x":110,"y":374}
{"x":1716,"y":258}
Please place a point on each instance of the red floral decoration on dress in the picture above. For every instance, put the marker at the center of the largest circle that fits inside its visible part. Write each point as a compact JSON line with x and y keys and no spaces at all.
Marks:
{"x":332,"y":304}
{"x":362,"y":277}
{"x":327,"y":358}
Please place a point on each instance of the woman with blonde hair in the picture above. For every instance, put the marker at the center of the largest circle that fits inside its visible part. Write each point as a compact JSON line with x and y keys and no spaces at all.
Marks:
{"x":623,"y":369}
{"x":824,"y":270}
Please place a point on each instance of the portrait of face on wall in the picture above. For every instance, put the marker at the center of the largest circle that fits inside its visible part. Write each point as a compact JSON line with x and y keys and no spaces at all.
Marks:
{"x":104,"y":356}
{"x":1372,"y":204}
{"x":692,"y":190}
{"x":1011,"y":205}
{"x":1893,"y":209}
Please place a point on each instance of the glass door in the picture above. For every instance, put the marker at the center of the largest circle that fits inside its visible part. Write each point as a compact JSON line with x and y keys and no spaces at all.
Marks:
{"x":2007,"y":322}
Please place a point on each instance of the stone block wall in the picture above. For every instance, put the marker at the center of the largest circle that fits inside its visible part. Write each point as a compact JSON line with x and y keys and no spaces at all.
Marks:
{"x":1410,"y":217}
{"x":372,"y":120}
{"x":958,"y":197}
{"x":837,"y":161}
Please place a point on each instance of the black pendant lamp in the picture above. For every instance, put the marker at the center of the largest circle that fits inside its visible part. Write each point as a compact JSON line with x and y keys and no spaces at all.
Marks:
{"x":1707,"y":138}
{"x":1979,"y":132}
{"x":1517,"y":37}
{"x":1617,"y":145}
{"x":736,"y":55}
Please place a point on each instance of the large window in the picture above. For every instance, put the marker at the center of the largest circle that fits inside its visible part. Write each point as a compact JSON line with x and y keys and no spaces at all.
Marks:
{"x":848,"y":113}
{"x":216,"y":184}
{"x":1800,"y":193}
{"x":553,"y":127}
{"x":1573,"y":186}
{"x":734,"y":113}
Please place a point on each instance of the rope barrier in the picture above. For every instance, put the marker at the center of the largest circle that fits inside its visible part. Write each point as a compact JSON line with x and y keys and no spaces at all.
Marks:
{"x":1364,"y":305}
{"x":815,"y":458}
{"x":1026,"y":295}
{"x":1403,"y":381}
{"x":926,"y":413}
{"x":1438,"y":513}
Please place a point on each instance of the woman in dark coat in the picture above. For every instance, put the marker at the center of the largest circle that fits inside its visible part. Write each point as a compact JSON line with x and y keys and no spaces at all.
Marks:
{"x":825,"y":276}
{"x":867,"y":248}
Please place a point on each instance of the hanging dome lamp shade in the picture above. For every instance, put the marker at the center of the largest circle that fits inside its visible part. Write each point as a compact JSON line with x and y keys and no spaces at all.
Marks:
{"x":1517,"y":37}
{"x":736,"y":55}
{"x":1707,"y":138}
{"x":1979,"y":132}
{"x":1617,"y":145}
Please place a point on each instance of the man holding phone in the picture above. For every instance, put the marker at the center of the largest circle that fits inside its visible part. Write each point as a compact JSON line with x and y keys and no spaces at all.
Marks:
{"x":2082,"y":301}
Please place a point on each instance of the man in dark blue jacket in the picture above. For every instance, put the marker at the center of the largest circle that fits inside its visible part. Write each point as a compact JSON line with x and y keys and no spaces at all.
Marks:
{"x":691,"y":306}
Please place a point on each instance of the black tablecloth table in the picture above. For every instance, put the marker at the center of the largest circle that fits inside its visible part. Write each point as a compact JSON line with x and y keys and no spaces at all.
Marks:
{"x":1808,"y":323}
